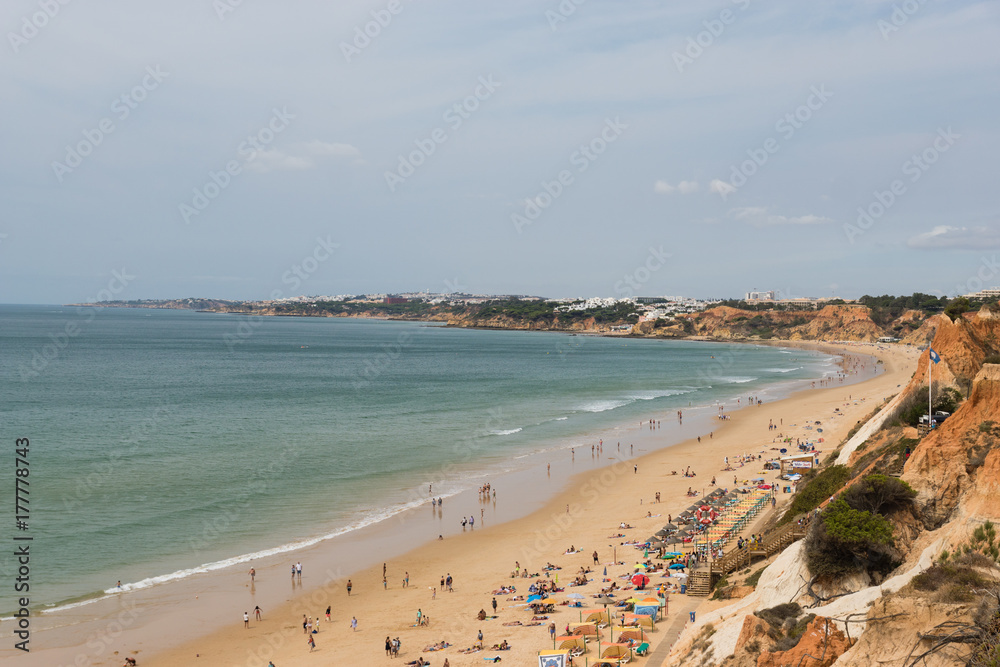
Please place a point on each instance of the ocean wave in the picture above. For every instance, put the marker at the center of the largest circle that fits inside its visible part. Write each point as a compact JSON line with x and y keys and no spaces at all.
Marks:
{"x":736,"y":379}
{"x":367,"y":520}
{"x":782,"y":370}
{"x":506,"y":432}
{"x":656,"y":393}
{"x":560,"y":419}
{"x":604,"y":406}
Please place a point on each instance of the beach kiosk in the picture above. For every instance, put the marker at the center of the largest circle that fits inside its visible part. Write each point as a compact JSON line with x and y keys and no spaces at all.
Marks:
{"x":799,"y":463}
{"x":557,"y":658}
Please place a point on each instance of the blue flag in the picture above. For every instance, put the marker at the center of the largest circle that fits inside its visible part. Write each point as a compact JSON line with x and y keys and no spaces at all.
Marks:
{"x":934,"y":356}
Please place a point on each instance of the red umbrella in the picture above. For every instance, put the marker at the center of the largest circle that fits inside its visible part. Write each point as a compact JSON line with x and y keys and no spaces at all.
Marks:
{"x":639,"y":579}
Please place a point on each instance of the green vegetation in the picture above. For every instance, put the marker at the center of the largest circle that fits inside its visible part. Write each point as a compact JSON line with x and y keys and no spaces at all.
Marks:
{"x":755,"y":577}
{"x":886,"y":308}
{"x":956,"y":307}
{"x":879,"y":494}
{"x":947,"y":400}
{"x":815,"y":490}
{"x":853,"y":534}
{"x":845,"y":540}
{"x":786,"y":625}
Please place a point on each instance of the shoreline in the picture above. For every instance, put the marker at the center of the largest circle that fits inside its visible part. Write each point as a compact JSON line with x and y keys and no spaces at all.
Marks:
{"x":391,"y":548}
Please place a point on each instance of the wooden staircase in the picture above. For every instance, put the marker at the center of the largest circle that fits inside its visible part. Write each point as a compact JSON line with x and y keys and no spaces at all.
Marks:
{"x":740,"y":558}
{"x":699,"y":583}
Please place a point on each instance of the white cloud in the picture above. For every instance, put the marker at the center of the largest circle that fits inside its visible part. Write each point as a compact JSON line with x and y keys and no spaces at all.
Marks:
{"x":759,"y":217}
{"x":947,"y":237}
{"x":684,"y":187}
{"x":301,"y":156}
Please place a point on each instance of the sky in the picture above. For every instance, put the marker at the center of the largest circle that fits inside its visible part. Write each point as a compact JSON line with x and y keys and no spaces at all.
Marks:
{"x":246,"y":149}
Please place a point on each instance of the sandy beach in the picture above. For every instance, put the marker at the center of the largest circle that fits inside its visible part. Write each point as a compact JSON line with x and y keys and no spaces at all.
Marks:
{"x":615,"y":487}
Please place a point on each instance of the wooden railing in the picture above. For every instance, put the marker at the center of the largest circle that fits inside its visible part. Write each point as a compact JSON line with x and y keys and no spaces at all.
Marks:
{"x":770,"y":545}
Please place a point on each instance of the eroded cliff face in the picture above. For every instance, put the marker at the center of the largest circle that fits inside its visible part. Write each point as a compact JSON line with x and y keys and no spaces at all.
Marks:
{"x":956,"y":472}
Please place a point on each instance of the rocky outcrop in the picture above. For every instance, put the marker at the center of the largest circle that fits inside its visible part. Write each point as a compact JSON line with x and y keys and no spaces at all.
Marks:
{"x":961,"y":457}
{"x":820,"y":646}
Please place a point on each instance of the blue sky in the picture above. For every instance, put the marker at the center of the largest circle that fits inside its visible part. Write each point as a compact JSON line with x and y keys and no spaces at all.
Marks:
{"x":509,"y":147}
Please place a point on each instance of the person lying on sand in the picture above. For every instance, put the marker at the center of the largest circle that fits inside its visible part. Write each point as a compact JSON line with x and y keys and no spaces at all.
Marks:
{"x":502,"y":646}
{"x":129,"y":662}
{"x":441,"y":645}
{"x":419,"y":662}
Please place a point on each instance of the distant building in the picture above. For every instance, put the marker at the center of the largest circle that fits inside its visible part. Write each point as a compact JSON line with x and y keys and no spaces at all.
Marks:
{"x":988,"y":293}
{"x":391,"y":300}
{"x":759,"y":296}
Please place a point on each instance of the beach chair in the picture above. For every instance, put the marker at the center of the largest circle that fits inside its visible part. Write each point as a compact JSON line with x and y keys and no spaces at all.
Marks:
{"x":642,"y":649}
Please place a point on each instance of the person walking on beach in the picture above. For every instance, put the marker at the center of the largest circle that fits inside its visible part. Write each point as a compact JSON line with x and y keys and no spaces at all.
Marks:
{"x":388,"y":645}
{"x":595,"y":557}
{"x":385,"y":583}
{"x":312,"y":643}
{"x":494,"y":606}
{"x":354,"y":624}
{"x":256,"y":612}
{"x":298,"y":570}
{"x":348,"y":588}
{"x":406,"y":580}
{"x":449,"y":581}
{"x":246,"y":620}
{"x":253,"y":573}
{"x":328,"y":613}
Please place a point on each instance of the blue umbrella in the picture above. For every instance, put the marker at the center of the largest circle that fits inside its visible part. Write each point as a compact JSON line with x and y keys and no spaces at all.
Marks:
{"x":677,"y":566}
{"x":532,"y":598}
{"x":605,"y":570}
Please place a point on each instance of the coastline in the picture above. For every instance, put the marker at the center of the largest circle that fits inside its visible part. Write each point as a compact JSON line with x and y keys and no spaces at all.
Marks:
{"x":394,"y":544}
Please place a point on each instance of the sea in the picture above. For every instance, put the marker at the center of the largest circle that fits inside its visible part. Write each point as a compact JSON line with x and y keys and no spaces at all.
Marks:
{"x":168,"y":443}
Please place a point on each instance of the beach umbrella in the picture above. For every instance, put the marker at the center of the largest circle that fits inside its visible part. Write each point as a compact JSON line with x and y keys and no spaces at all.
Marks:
{"x":605,"y":570}
{"x":677,"y":566}
{"x":548,"y":601}
{"x":532,"y":598}
{"x":576,"y":596}
{"x":640,"y":579}
{"x":662,"y":532}
{"x":670,"y":527}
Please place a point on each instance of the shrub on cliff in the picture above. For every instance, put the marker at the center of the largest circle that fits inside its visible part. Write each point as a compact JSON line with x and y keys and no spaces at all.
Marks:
{"x":816,"y":490}
{"x":846,"y":540}
{"x":879,"y":494}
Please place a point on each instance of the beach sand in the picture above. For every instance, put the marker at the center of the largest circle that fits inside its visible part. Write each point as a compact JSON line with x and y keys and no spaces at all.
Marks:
{"x":585,"y":514}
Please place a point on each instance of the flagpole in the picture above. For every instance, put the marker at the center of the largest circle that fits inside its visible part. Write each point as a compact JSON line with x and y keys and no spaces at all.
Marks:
{"x":930,"y":410}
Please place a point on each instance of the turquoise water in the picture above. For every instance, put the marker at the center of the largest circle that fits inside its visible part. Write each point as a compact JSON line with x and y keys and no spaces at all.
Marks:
{"x":168,"y":441}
